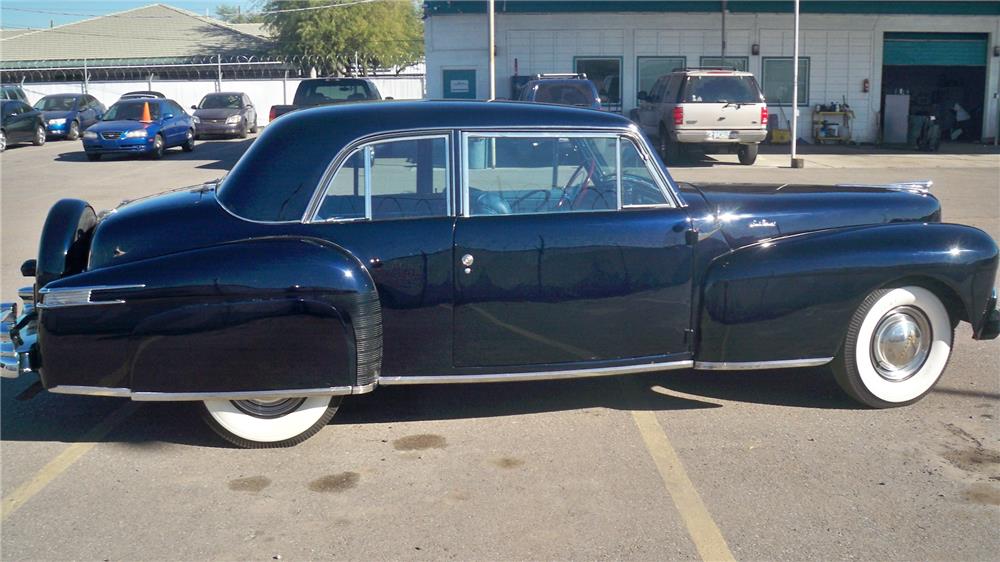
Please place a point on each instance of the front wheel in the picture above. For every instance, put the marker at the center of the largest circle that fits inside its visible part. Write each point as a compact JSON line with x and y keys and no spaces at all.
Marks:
{"x":159,"y":145}
{"x":244,"y":130}
{"x":93,"y":157}
{"x":74,"y":131}
{"x":3,"y":140}
{"x":747,"y":154}
{"x":897,"y":346}
{"x":39,"y":139}
{"x":269,"y":423}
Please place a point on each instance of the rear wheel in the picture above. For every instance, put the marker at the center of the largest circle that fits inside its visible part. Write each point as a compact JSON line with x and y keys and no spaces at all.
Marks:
{"x":188,"y":145}
{"x":269,"y":423}
{"x":39,"y":139}
{"x":74,"y":131}
{"x":897,"y":346}
{"x":747,"y":153}
{"x":3,"y":140}
{"x":670,"y":151}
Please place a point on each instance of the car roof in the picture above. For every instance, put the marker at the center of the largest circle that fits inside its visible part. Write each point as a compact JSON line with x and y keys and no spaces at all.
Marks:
{"x":62,"y":96}
{"x":712,"y":72}
{"x":275,"y":179}
{"x":558,"y":81}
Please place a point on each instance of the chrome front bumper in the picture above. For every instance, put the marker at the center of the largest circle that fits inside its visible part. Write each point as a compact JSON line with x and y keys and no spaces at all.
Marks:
{"x":17,"y":336}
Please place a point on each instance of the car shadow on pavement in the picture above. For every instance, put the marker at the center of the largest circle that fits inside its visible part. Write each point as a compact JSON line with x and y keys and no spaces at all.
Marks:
{"x":221,"y":154}
{"x":28,"y":413}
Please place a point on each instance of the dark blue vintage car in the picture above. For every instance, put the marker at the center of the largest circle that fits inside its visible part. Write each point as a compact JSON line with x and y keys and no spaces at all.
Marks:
{"x":446,"y":242}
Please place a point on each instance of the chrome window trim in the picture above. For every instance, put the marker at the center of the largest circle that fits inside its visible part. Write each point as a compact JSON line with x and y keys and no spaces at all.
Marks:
{"x":82,"y":295}
{"x":539,"y":375}
{"x":756,"y":365}
{"x":333,"y":168}
{"x":670,"y":194}
{"x":142,"y":396}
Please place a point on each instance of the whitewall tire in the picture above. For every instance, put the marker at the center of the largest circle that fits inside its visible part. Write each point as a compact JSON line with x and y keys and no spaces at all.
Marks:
{"x":265,"y":423}
{"x":896,"y":348}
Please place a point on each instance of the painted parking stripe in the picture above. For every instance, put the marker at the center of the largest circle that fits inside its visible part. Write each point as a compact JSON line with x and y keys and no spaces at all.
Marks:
{"x":65,"y":459}
{"x":701,"y":527}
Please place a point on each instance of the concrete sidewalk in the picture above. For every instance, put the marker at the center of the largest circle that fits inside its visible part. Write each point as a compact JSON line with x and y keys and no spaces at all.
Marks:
{"x":951,"y":155}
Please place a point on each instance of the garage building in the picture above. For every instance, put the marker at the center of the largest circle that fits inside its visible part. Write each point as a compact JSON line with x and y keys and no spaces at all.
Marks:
{"x":937,"y":58}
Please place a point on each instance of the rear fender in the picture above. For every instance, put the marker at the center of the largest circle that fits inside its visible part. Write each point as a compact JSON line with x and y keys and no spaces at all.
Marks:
{"x":266,"y":314}
{"x":792,"y":298}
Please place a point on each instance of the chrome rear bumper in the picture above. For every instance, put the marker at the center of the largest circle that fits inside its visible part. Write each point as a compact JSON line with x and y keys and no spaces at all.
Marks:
{"x":17,"y":336}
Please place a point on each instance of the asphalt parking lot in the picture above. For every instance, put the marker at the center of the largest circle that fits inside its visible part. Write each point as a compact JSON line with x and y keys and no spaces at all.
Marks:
{"x":771,"y":465}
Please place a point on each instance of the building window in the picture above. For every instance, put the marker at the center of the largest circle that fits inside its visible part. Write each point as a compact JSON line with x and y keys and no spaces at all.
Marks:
{"x":651,"y":68}
{"x":606,"y":74}
{"x":777,"y":75}
{"x":739,"y":63}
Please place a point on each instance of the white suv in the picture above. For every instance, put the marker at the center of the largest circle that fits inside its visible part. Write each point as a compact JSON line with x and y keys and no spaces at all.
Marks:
{"x":712,"y":108}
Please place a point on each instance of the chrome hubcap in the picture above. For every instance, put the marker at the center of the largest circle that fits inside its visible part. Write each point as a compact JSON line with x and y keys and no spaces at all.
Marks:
{"x":901,"y":343}
{"x":268,"y":408}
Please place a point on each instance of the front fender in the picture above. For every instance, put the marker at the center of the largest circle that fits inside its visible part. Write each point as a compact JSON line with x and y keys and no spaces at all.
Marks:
{"x":265,"y":314}
{"x":792,"y":298}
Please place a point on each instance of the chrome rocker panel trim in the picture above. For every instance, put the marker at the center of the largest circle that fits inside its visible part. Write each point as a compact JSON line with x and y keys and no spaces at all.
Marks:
{"x":757,"y":365}
{"x":198,"y":396}
{"x":537,"y":376}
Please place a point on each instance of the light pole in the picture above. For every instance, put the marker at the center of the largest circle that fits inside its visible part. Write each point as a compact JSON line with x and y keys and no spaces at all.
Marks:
{"x":796,"y":162}
{"x":492,"y":51}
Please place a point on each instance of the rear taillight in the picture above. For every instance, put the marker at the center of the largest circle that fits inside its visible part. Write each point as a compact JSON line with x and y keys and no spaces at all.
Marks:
{"x":273,"y":114}
{"x":678,"y":115}
{"x":763,"y":115}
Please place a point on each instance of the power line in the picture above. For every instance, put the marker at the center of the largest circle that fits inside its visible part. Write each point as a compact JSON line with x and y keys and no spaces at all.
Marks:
{"x":136,"y":16}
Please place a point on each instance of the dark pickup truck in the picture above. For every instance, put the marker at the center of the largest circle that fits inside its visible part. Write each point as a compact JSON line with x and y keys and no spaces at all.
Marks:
{"x":325,"y":91}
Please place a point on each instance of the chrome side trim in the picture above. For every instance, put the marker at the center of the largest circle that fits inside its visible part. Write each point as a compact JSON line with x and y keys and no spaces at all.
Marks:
{"x":91,"y":391}
{"x":537,"y":376}
{"x":755,"y":365}
{"x":78,"y":296}
{"x":913,"y":186}
{"x":197,"y":396}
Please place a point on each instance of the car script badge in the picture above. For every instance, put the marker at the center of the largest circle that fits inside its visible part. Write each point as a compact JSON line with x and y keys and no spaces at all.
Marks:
{"x":762,"y":223}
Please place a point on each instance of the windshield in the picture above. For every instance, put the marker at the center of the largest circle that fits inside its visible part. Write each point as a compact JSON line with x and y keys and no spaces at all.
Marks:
{"x":315,"y":93}
{"x":131,"y":111}
{"x":56,"y":103}
{"x":565,"y":94}
{"x":721,"y":89}
{"x":221,"y":101}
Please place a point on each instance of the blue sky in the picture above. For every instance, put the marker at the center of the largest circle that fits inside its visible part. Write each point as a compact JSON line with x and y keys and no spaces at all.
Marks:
{"x":12,"y":17}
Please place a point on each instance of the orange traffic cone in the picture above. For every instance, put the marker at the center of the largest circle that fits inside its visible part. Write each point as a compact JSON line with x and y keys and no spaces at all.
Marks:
{"x":146,"y":118}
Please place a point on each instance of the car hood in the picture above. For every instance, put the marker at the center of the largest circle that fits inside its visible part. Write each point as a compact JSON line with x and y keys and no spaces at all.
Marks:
{"x":162,"y":224}
{"x":747,"y":213}
{"x":122,"y":125}
{"x":220,"y":113}
{"x":56,"y":114}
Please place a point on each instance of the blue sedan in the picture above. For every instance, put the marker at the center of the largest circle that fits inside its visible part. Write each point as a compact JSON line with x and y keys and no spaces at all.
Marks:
{"x":140,"y":126}
{"x":67,"y":114}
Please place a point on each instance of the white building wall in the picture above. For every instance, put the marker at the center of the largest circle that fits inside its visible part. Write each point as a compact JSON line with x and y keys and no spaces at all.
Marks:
{"x":263,"y":93}
{"x":844,"y":50}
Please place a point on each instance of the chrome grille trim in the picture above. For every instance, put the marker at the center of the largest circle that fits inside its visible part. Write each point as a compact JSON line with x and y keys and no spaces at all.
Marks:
{"x":367,"y":321}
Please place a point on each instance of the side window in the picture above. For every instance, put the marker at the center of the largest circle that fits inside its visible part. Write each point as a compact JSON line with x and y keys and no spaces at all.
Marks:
{"x":672,"y":86}
{"x":656,"y":92}
{"x":409,"y":179}
{"x":345,"y":195}
{"x":523,"y":174}
{"x":639,"y":186}
{"x":400,"y":179}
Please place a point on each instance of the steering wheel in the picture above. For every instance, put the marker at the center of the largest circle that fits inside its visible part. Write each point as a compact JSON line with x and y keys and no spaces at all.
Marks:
{"x":593,"y":204}
{"x":540,"y":206}
{"x":633,"y":185}
{"x":583,"y":186}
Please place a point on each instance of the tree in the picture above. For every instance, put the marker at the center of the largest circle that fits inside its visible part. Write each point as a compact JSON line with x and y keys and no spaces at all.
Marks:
{"x":354,"y":37}
{"x":230,"y":13}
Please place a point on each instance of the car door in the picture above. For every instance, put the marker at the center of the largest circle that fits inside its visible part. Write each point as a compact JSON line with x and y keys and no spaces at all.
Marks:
{"x":87,"y":112}
{"x":21,"y":122}
{"x":557,"y":263}
{"x":389,"y":204}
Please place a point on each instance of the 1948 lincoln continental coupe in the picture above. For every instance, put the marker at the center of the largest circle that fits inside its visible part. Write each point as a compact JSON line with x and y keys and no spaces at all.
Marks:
{"x":449,"y":242}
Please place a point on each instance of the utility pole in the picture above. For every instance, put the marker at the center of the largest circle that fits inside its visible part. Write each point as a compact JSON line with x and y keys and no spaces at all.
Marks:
{"x":492,"y":50}
{"x":796,"y":162}
{"x":723,"y":33}
{"x":218,"y":83}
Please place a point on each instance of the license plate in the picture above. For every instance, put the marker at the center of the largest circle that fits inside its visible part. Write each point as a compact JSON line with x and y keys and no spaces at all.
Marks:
{"x":720,"y":135}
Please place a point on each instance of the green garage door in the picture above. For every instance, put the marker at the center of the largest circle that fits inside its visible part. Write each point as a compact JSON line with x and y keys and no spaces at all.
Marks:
{"x":934,"y":49}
